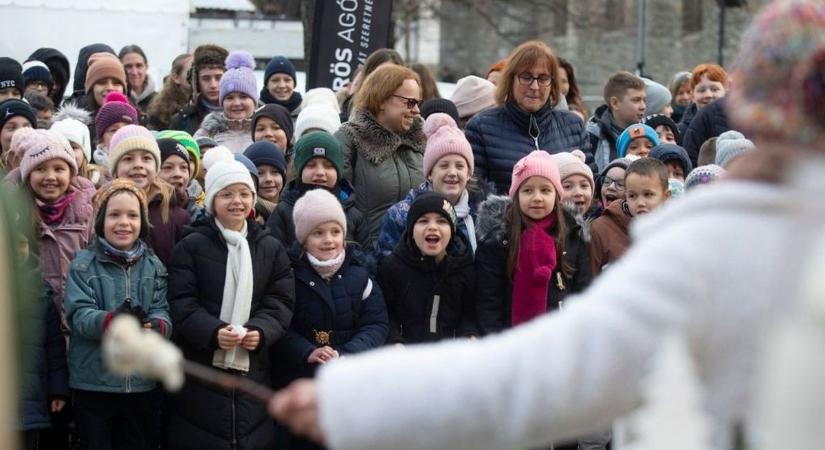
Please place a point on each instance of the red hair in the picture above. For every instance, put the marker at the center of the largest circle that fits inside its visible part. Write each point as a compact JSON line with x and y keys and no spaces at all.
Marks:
{"x":714,"y":72}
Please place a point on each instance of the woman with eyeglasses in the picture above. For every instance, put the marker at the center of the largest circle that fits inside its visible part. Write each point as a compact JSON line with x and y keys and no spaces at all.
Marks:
{"x":526,"y":118}
{"x":383,"y":142}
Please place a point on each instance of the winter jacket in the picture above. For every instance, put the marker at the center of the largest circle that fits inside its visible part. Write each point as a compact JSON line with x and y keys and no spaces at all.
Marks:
{"x":162,"y":237}
{"x":282,"y":226}
{"x":687,"y":118}
{"x":46,"y":375}
{"x":602,"y":134}
{"x":59,"y":68}
{"x":97,"y":286}
{"x":503,"y":135}
{"x":494,"y":285}
{"x":381,"y":166}
{"x":710,"y":121}
{"x":395,"y":221}
{"x":429,"y":301}
{"x":59,"y":243}
{"x":189,"y":117}
{"x":202,"y":415}
{"x":236,"y":135}
{"x":609,"y":237}
{"x":349,"y":307}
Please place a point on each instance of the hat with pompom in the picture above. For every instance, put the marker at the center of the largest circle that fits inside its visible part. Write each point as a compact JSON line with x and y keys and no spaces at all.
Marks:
{"x":115,"y":109}
{"x":77,"y":132}
{"x":572,"y":163}
{"x":445,"y":138}
{"x":239,"y":76}
{"x":537,"y":163}
{"x":39,"y":146}
{"x":216,"y":154}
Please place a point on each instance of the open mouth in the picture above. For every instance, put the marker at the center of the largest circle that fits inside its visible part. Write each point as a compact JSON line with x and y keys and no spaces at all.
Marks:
{"x":609,"y":198}
{"x":432,"y":239}
{"x":122,"y":234}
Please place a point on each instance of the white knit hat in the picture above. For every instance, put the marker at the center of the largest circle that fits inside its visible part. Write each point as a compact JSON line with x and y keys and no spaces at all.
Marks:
{"x":729,"y":145}
{"x":317,"y":116}
{"x":215,"y":154}
{"x":472,"y":95}
{"x":223,"y":174}
{"x":77,"y":132}
{"x":321,"y":96}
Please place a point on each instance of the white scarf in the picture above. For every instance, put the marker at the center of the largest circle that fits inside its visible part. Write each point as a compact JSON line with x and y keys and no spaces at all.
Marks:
{"x":462,"y":211}
{"x":237,"y":296}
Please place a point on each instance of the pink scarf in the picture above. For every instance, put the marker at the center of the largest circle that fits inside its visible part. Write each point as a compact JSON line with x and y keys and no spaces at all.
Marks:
{"x":536,"y":263}
{"x":52,"y":213}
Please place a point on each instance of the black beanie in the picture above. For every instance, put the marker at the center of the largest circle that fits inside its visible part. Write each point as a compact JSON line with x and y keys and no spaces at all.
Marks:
{"x":13,"y":107}
{"x":279,"y":115}
{"x":439,"y":105}
{"x":655,"y":120}
{"x":428,"y":202}
{"x":11,"y":75}
{"x":169,"y":147}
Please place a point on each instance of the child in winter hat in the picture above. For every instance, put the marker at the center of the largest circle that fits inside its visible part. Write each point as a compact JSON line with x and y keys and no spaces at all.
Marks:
{"x":665,"y":127}
{"x":315,"y":208}
{"x":271,"y":166}
{"x":576,"y":179}
{"x":12,"y":83}
{"x":77,"y":133}
{"x":131,"y":138}
{"x":658,"y":98}
{"x":175,"y":167}
{"x":637,"y":139}
{"x":730,"y":145}
{"x":116,"y":110}
{"x":223,"y":174}
{"x":536,"y":163}
{"x":472,"y":95}
{"x":281,"y":91}
{"x":675,"y":158}
{"x":21,"y":115}
{"x":317,"y":117}
{"x":239,"y":76}
{"x":37,"y":77}
{"x":704,"y":175}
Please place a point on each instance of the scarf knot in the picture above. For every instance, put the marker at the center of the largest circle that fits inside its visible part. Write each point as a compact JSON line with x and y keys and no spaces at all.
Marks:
{"x":535,"y":266}
{"x":52,"y":213}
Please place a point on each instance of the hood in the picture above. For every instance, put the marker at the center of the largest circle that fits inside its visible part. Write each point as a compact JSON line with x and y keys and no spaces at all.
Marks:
{"x":375,"y":143}
{"x":58,"y":65}
{"x":616,"y":213}
{"x":82,"y":64}
{"x":148,"y":91}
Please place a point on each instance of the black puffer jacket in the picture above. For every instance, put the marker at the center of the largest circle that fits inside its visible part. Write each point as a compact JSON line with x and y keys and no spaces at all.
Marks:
{"x":495,"y":287}
{"x":282,"y":226}
{"x":417,"y":288}
{"x":710,"y":121}
{"x":501,"y":136}
{"x":200,"y":415}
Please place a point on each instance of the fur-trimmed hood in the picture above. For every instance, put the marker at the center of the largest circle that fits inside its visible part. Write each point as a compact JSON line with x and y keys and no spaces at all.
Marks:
{"x":70,"y":110}
{"x":491,"y":221}
{"x":375,"y":143}
{"x":216,"y":123}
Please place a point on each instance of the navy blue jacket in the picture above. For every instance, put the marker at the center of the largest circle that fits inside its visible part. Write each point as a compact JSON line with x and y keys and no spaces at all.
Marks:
{"x":501,"y":136}
{"x":710,"y":121}
{"x":350,"y":306}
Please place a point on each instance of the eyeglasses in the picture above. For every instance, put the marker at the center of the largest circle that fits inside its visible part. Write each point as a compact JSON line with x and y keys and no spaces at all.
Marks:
{"x":411,"y":102}
{"x":526,"y":79}
{"x":608,"y":181}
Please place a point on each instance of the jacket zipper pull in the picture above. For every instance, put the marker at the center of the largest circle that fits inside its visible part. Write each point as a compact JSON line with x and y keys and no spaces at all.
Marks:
{"x":559,"y":281}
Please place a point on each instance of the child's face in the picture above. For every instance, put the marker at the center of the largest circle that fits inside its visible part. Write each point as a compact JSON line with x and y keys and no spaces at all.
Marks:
{"x":175,"y":171}
{"x":707,"y":91}
{"x":675,"y":170}
{"x":121,"y":226}
{"x":138,"y":166}
{"x":665,"y":134}
{"x":320,"y":172}
{"x":449,"y":177}
{"x":432,"y":233}
{"x":536,"y":197}
{"x":37,"y":87}
{"x":641,"y":147}
{"x":44,"y":118}
{"x":577,"y":190}
{"x":684,"y":95}
{"x":267,"y":129}
{"x":233,"y":204}
{"x":644,"y":193}
{"x":79,"y":157}
{"x":50,"y":180}
{"x":613,"y":186}
{"x":106,"y":138}
{"x":7,"y":93}
{"x":105,"y":87}
{"x":270,"y":182}
{"x":630,"y":108}
{"x":326,"y":241}
{"x":238,"y":106}
{"x":9,"y":128}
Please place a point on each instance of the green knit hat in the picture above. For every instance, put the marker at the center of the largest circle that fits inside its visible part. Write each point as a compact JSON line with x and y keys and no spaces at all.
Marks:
{"x":318,"y":144}
{"x":188,"y":142}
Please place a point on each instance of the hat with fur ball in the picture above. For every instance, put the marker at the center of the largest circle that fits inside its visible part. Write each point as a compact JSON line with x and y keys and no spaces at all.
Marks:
{"x":314,"y":208}
{"x":445,"y":138}
{"x":239,"y":76}
{"x":572,"y":163}
{"x":223,"y":174}
{"x":537,"y":163}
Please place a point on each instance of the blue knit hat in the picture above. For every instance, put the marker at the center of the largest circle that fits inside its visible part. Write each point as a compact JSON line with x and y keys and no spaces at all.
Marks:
{"x":265,"y":152}
{"x":239,"y":76}
{"x":635,"y":131}
{"x":279,"y":64}
{"x":672,"y":152}
{"x":37,"y":71}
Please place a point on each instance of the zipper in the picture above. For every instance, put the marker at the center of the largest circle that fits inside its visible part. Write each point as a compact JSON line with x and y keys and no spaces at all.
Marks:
{"x":530,"y":131}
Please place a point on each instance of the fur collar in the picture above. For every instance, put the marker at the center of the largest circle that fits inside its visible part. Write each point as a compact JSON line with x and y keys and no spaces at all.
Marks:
{"x":216,"y":123}
{"x":375,"y":143}
{"x":491,"y":221}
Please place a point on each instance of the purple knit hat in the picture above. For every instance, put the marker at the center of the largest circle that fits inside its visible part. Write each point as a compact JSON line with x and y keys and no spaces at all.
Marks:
{"x":536,"y":163}
{"x":116,"y":108}
{"x":239,"y":75}
{"x":38,"y":146}
{"x":444,"y":138}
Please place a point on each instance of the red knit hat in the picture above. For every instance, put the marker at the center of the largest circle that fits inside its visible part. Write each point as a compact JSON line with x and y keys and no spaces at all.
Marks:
{"x":537,"y":163}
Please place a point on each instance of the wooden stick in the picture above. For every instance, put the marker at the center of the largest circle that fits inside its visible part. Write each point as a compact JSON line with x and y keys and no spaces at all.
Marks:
{"x":228,"y":381}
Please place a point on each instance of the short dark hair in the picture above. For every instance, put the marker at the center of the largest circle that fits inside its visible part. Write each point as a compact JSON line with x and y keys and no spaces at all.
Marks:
{"x":618,"y":84}
{"x":649,"y":167}
{"x":39,"y":102}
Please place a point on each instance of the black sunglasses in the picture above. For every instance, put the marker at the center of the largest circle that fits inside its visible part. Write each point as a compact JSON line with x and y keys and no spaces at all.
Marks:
{"x":411,"y":102}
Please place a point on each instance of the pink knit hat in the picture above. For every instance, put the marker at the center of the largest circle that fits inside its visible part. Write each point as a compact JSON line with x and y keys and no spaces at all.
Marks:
{"x":38,"y":146}
{"x":573,"y":164}
{"x":472,"y":95}
{"x":314,"y":208}
{"x":444,"y":138}
{"x":101,"y":66}
{"x":129,"y":138}
{"x":116,"y":108}
{"x":537,"y":163}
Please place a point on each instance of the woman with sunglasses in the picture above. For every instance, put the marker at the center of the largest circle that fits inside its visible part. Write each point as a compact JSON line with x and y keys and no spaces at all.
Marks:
{"x":383,"y":142}
{"x":526,"y":119}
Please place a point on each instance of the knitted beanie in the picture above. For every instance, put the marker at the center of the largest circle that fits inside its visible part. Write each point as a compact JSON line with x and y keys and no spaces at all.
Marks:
{"x":39,"y":146}
{"x":267,"y":153}
{"x":445,"y":138}
{"x":115,"y":109}
{"x":279,"y":115}
{"x":703,"y":175}
{"x":729,"y":145}
{"x":572,"y":163}
{"x":658,"y":96}
{"x":635,"y":131}
{"x":321,"y":96}
{"x":223,"y":174}
{"x":101,"y":199}
{"x":472,"y":95}
{"x":318,"y":144}
{"x":170,"y":147}
{"x":536,"y":163}
{"x":779,"y":88}
{"x":250,"y":166}
{"x":76,"y":132}
{"x":239,"y":76}
{"x":129,"y":138}
{"x":431,"y":202}
{"x":439,"y":105}
{"x":13,"y":107}
{"x":205,"y":143}
{"x":316,"y":207}
{"x":672,"y":152}
{"x":656,"y":120}
{"x":279,"y":64}
{"x":219,"y":153}
{"x":189,"y":143}
{"x":11,"y":75}
{"x":37,"y":71}
{"x":102,"y":66}
{"x":317,"y":117}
